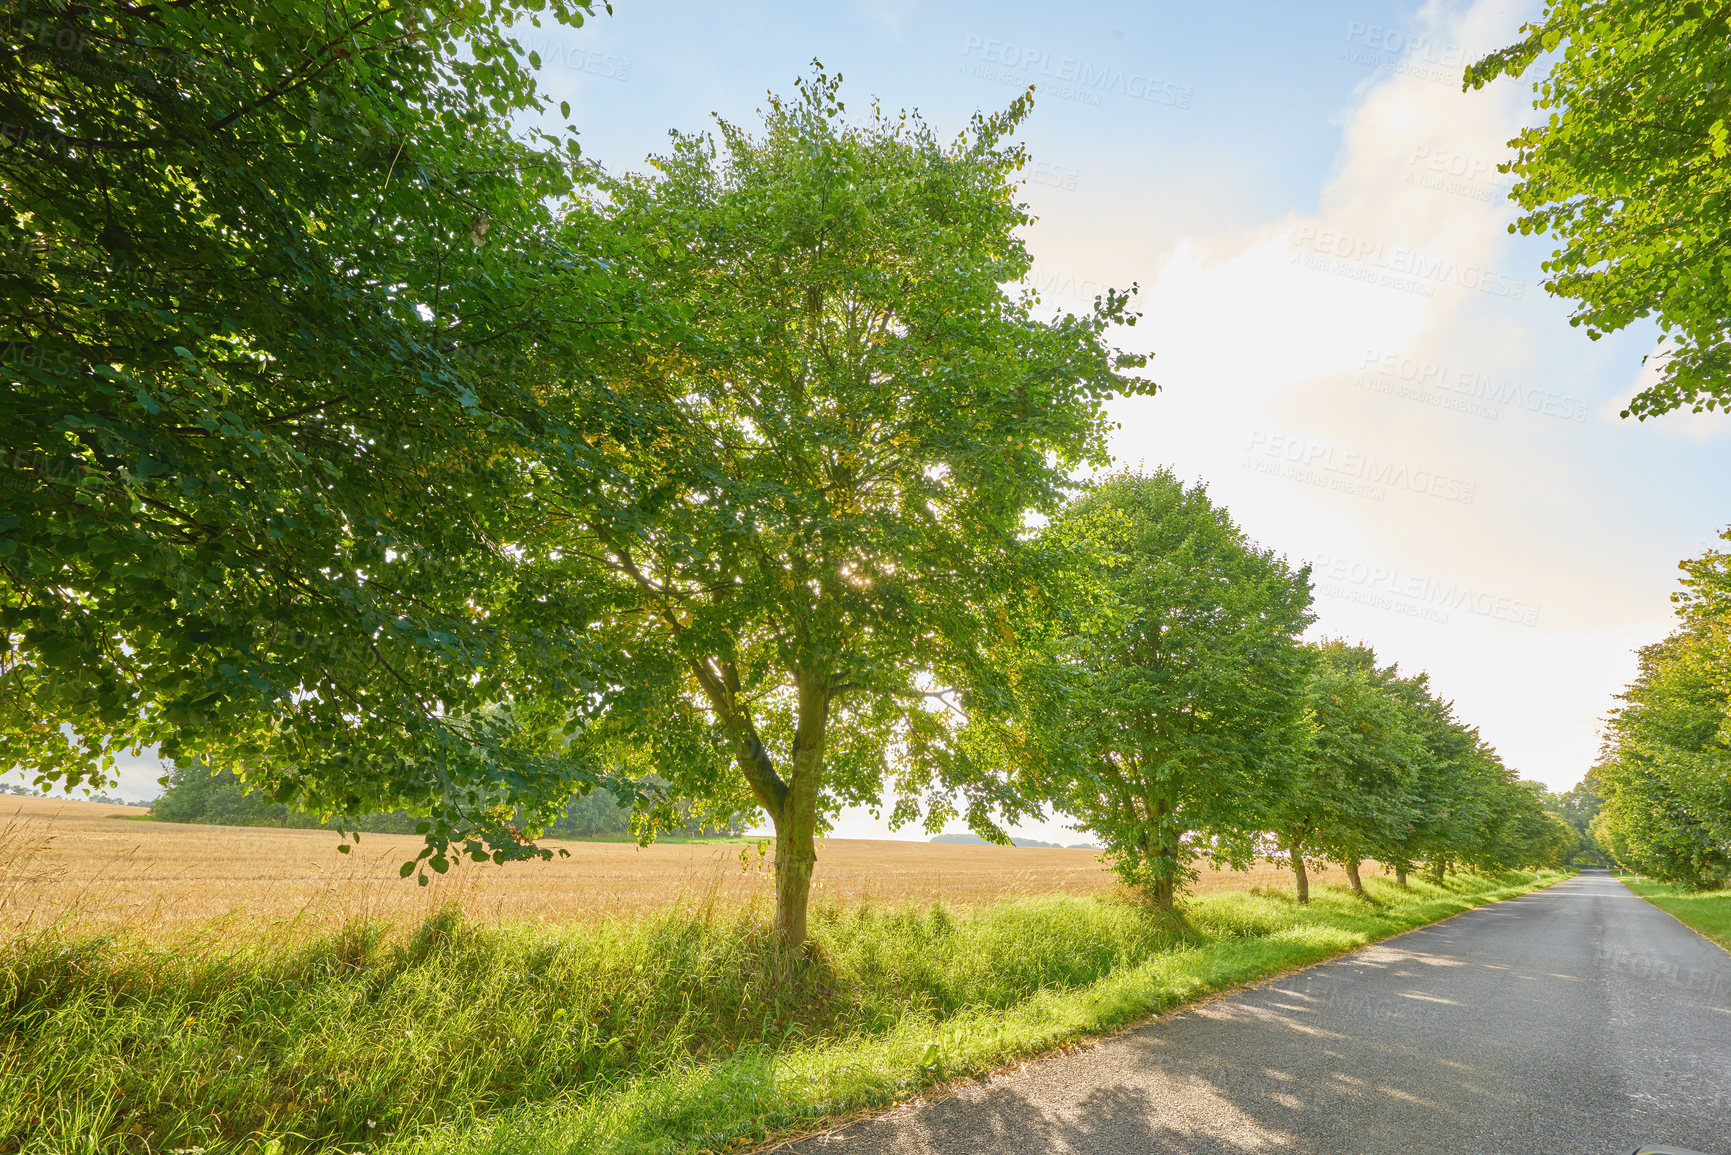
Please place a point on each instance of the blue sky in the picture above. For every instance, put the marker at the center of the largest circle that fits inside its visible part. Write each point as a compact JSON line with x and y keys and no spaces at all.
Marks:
{"x":1355,"y":355}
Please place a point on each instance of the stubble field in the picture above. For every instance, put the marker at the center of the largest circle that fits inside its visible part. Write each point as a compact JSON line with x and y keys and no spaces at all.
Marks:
{"x":106,"y":868}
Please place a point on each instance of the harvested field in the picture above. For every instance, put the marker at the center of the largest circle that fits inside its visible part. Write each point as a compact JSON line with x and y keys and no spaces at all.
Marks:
{"x":104,"y":867}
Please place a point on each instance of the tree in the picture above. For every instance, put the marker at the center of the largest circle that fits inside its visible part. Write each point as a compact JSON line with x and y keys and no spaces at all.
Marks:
{"x":1351,"y":796}
{"x":1173,"y":694}
{"x":1628,"y":171}
{"x":1666,"y":777}
{"x":816,"y":517}
{"x":1442,"y":774}
{"x":1578,"y":806}
{"x":1530,"y":833}
{"x":1581,"y":803}
{"x":1488,"y":805}
{"x":1464,"y":804}
{"x":269,"y":281}
{"x":195,"y":794}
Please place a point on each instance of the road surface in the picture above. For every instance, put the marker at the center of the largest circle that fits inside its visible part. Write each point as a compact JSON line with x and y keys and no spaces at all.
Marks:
{"x":1577,"y":1020}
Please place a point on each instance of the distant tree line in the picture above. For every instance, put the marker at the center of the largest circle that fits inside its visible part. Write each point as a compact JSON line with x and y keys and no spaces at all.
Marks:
{"x":193,"y":793}
{"x":971,"y":839}
{"x":20,"y":790}
{"x":1579,"y":806}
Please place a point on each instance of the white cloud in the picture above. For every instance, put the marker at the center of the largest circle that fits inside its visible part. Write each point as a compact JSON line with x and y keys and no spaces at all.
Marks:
{"x":1393,"y":330}
{"x":890,"y":15}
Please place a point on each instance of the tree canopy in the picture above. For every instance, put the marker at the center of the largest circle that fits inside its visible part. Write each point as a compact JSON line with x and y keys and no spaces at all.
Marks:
{"x":270,"y":280}
{"x":388,"y":459}
{"x":1627,"y":169}
{"x":1352,"y":793}
{"x":1172,"y":702}
{"x":807,"y":543}
{"x":1391,"y":773}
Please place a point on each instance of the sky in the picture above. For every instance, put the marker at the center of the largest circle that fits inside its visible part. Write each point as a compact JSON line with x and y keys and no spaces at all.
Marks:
{"x":1353,"y":353}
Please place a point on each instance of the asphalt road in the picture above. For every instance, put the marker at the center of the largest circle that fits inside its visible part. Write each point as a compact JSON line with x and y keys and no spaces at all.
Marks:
{"x":1577,"y":1020}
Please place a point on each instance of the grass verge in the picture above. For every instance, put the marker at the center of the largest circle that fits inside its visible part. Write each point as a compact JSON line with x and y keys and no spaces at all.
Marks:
{"x":677,"y":1033}
{"x":1707,"y":911}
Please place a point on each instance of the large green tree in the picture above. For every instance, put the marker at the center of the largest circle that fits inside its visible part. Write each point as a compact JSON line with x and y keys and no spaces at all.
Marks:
{"x":809,"y":542}
{"x":270,"y":282}
{"x":1172,"y":702}
{"x":1627,"y":168}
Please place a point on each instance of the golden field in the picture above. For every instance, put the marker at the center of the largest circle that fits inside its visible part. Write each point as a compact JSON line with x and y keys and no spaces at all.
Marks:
{"x":107,"y":868}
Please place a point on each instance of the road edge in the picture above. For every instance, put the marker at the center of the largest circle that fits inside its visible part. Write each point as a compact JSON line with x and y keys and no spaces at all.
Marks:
{"x":1673,"y":917}
{"x":934,"y":1092}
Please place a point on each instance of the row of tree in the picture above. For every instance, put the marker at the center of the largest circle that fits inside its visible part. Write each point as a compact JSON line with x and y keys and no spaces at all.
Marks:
{"x":1173,"y":710}
{"x":398,"y":462}
{"x":1666,"y":769}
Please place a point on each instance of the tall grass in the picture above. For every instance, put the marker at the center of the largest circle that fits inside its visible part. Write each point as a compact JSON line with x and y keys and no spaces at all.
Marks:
{"x":682,"y":1031}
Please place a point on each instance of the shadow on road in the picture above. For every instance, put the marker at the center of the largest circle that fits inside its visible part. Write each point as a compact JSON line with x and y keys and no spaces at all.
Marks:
{"x":1574,"y":1021}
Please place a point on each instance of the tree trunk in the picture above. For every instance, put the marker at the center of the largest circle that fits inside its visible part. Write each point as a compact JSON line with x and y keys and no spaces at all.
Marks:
{"x":1166,"y":866}
{"x":1436,"y":872}
{"x":796,"y":825}
{"x":1351,"y":865}
{"x":1400,"y":874}
{"x":795,"y":859}
{"x":1298,"y":872}
{"x":791,"y":803}
{"x":1165,"y":893}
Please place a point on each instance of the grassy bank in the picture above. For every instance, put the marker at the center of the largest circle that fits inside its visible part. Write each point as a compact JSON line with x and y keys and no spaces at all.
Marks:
{"x":669,"y":1033}
{"x":1708,"y":911}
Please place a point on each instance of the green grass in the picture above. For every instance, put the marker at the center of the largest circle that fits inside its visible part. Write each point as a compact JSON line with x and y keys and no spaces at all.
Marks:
{"x":674,"y":1033}
{"x":1708,"y":911}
